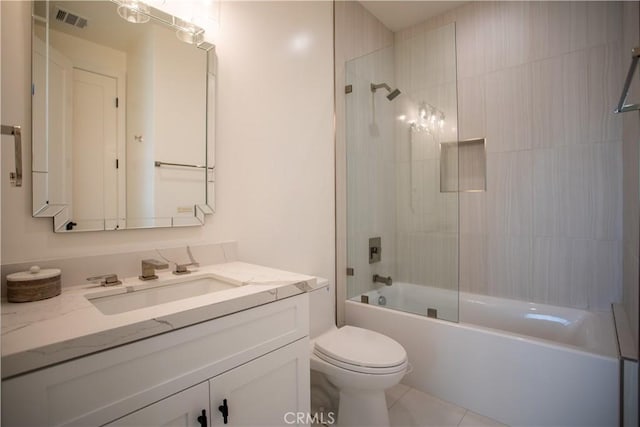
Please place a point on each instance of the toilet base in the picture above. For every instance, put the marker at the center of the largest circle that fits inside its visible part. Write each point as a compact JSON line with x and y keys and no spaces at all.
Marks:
{"x":363,"y":408}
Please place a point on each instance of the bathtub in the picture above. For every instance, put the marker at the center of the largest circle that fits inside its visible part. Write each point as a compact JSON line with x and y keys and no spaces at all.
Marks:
{"x":523,"y":364}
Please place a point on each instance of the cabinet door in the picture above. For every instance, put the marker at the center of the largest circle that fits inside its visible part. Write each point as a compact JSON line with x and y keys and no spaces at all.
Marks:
{"x":268,"y":391}
{"x":179,"y":410}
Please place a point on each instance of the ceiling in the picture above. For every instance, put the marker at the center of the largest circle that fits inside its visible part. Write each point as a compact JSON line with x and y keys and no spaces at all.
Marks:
{"x":398,"y":15}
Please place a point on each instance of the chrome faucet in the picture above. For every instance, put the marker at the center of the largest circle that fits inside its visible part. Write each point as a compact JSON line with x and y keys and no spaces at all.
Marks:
{"x":381,"y":279}
{"x":149,"y":267}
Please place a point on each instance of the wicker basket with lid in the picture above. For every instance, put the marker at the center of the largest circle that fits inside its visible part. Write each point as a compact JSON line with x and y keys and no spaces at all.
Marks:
{"x":33,"y":285}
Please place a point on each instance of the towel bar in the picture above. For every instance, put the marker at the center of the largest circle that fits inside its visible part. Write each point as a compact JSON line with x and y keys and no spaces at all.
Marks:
{"x":622,"y":107}
{"x":15,"y":177}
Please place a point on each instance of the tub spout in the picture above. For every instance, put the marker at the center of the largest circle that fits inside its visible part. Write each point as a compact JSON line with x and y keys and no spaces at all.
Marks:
{"x":381,"y":279}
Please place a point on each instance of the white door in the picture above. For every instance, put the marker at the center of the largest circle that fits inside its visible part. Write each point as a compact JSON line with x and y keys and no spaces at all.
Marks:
{"x":268,"y":391}
{"x":95,"y":173}
{"x":182,"y":409}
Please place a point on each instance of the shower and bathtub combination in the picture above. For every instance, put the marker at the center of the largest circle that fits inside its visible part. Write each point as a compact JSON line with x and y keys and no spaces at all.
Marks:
{"x":438,"y":255}
{"x":520,"y":363}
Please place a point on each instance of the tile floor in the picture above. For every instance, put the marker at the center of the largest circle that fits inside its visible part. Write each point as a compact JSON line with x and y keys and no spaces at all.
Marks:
{"x":409,"y":407}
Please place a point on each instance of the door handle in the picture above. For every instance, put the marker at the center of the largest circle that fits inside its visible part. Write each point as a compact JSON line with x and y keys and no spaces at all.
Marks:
{"x":224,"y":409}
{"x":202,"y":419}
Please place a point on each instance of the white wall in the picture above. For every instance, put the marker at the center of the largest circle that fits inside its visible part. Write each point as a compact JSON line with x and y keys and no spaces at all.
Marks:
{"x":274,"y":144}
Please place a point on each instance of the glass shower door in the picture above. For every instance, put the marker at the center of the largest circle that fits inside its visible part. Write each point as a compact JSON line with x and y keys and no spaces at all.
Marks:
{"x":402,"y":176}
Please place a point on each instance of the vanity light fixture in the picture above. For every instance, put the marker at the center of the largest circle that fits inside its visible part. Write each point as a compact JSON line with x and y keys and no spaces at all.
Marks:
{"x":134,"y":11}
{"x":138,"y":12}
{"x":188,"y":32}
{"x":430,"y":119}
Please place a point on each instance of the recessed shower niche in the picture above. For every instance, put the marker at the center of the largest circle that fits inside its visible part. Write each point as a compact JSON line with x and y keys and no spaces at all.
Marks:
{"x":463,"y":166}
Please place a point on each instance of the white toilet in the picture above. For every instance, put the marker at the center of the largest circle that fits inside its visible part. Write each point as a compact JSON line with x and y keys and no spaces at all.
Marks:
{"x":361,"y":364}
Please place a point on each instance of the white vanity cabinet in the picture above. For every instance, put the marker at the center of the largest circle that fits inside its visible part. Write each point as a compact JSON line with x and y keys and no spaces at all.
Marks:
{"x":259,"y":393}
{"x":257,"y":359}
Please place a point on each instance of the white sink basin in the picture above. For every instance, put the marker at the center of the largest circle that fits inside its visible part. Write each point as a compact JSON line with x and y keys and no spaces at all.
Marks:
{"x":157,"y":293}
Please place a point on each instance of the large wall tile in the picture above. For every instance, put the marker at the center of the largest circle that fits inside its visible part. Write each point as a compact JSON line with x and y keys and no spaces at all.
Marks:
{"x":471,"y":40}
{"x":509,"y":266}
{"x":471,"y":108}
{"x":567,"y":27}
{"x":509,"y":193}
{"x":539,"y":38}
{"x":575,"y":93}
{"x":547,"y":103}
{"x":603,"y":22}
{"x":605,"y":85}
{"x":552,"y":270}
{"x":473,"y":263}
{"x":577,"y":195}
{"x":509,"y":109}
{"x":606,"y":189}
{"x":550,"y":187}
{"x":473,"y":213}
{"x":607,"y":274}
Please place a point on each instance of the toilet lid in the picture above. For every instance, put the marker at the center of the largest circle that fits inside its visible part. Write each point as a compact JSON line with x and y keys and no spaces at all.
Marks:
{"x":361,"y":347}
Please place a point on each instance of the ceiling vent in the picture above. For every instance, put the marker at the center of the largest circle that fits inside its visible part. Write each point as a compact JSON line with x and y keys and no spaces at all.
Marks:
{"x":70,"y":18}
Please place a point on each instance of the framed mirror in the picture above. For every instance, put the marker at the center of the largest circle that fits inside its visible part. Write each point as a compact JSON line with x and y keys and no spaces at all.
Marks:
{"x":123,"y":117}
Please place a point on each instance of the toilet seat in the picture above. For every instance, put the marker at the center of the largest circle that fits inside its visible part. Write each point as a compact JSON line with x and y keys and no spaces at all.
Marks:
{"x":361,"y":350}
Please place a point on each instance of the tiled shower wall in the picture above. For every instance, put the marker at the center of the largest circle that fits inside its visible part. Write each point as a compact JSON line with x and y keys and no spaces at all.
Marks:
{"x":539,"y":81}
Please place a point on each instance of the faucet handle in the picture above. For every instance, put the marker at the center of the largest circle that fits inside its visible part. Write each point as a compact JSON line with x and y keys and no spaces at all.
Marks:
{"x":182,"y":268}
{"x":106,"y":279}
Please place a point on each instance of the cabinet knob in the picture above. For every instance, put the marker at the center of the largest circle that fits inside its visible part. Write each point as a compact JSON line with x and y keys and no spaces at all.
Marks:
{"x":202,"y":419}
{"x":224,"y":409}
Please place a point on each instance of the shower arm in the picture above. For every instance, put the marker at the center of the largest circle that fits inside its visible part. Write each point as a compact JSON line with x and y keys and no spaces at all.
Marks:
{"x":392,"y":92}
{"x":375,"y":87}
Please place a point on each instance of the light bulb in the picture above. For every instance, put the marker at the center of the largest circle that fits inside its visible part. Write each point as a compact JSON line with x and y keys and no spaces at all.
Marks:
{"x":134,"y":11}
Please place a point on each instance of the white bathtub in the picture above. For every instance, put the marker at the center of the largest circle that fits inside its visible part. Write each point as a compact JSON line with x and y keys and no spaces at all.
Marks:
{"x":523,"y":364}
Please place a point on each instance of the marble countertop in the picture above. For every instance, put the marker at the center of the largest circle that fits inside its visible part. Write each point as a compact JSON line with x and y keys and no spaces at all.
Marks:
{"x":41,"y":333}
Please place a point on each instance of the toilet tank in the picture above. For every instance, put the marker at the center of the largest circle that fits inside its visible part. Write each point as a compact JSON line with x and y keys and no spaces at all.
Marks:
{"x":321,"y":309}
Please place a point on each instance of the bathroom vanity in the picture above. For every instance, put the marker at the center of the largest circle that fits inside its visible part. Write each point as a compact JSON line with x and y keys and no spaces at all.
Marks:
{"x":237,"y":355}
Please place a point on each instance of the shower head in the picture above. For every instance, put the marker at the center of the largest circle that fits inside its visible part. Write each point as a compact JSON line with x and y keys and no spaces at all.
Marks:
{"x":392,"y":93}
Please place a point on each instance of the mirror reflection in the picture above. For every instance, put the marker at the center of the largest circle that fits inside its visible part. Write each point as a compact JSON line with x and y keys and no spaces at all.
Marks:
{"x":122,"y":119}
